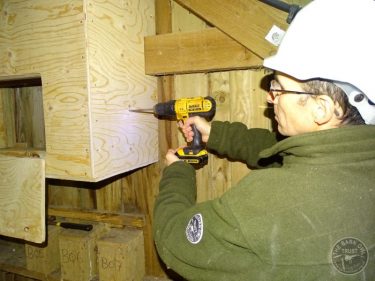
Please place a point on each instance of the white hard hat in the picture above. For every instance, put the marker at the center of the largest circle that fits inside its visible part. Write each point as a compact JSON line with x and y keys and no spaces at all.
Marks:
{"x":333,"y":40}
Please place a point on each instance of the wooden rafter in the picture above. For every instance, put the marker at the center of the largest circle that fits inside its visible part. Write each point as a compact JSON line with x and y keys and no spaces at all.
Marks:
{"x":246,"y":21}
{"x":236,"y":42}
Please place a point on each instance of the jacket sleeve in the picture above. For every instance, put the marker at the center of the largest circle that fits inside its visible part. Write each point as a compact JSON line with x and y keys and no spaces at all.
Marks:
{"x":237,"y":142}
{"x":199,"y":241}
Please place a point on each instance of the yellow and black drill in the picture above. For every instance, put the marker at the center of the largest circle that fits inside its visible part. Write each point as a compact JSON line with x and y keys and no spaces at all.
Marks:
{"x":181,"y":109}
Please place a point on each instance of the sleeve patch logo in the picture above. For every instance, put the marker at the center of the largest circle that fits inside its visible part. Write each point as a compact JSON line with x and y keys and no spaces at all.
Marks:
{"x":350,"y":255}
{"x":194,"y":229}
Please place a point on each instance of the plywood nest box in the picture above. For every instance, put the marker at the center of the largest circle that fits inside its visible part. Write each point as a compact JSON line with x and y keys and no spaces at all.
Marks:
{"x":89,"y":57}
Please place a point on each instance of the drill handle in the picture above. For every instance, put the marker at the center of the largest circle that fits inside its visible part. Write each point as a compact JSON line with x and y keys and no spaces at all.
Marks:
{"x":197,"y":143}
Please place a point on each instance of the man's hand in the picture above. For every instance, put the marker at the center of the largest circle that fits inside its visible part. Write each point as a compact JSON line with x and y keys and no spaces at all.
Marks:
{"x":171,"y":157}
{"x":200,"y":123}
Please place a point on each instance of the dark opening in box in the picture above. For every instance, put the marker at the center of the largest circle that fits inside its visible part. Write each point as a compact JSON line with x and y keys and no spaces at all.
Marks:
{"x":21,"y":114}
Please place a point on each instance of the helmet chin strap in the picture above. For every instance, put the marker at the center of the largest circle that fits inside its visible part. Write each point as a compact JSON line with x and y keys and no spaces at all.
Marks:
{"x":358,"y":99}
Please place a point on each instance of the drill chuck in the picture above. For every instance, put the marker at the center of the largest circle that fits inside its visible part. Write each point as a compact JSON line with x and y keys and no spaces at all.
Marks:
{"x":165,"y":109}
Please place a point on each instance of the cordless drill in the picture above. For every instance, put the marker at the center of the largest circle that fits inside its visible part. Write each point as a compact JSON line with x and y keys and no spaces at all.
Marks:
{"x":181,"y":109}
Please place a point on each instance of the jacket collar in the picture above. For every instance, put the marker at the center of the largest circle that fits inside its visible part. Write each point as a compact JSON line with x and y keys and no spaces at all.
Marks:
{"x":349,"y":143}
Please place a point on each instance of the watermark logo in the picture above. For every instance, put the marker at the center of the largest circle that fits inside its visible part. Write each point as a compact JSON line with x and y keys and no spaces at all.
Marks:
{"x":349,"y":255}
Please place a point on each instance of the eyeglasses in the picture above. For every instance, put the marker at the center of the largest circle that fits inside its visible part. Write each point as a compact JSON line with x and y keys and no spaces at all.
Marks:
{"x":276,"y":91}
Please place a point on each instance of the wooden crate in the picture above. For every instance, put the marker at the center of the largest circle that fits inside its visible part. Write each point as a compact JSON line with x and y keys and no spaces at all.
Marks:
{"x":121,"y":255}
{"x":89,"y":56}
{"x":44,"y":258}
{"x":78,"y":253}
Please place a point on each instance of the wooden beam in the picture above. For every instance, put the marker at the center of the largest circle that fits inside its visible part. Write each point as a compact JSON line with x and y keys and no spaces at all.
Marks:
{"x":163,"y":19}
{"x":116,"y":219}
{"x":246,"y":21}
{"x":202,"y":51}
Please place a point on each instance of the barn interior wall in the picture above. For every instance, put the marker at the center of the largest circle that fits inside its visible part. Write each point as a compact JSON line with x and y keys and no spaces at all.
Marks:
{"x":239,"y":97}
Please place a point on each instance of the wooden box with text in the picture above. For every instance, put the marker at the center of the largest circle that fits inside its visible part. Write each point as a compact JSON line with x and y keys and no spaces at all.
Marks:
{"x":44,"y":258}
{"x":78,"y":253}
{"x":121,"y":255}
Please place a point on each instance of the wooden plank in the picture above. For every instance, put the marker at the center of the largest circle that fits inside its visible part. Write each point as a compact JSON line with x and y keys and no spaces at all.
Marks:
{"x":22,"y":197}
{"x":3,"y":125}
{"x":23,"y":120}
{"x":63,"y":195}
{"x":35,"y":96}
{"x":115,"y":219}
{"x":165,"y":85}
{"x":248,"y":106}
{"x":139,"y":190}
{"x":76,"y":195}
{"x":29,"y":117}
{"x":163,"y":19}
{"x":219,"y":168}
{"x":202,"y":51}
{"x":246,"y":21}
{"x":184,"y":21}
{"x":109,"y":197}
{"x":190,"y":85}
{"x":145,"y":187}
{"x":7,"y":121}
{"x":122,"y":140}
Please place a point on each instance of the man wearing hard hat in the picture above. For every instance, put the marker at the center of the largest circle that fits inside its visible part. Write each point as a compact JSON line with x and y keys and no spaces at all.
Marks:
{"x":309,"y":213}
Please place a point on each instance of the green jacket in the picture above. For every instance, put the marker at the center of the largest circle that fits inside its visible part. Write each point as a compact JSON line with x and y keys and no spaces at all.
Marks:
{"x":312,"y":218}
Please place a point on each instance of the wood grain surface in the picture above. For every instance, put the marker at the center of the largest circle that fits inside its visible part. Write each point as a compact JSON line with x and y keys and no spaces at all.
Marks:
{"x":22,"y":198}
{"x":89,"y":55}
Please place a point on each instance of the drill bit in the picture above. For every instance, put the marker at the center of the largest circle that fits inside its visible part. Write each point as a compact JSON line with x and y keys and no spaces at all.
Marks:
{"x":143,"y":110}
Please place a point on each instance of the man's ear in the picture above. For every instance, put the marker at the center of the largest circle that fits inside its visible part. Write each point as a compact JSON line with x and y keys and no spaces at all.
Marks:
{"x":324,"y":109}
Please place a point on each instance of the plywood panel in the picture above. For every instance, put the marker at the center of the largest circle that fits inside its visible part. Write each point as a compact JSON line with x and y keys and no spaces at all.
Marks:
{"x":22,"y":198}
{"x":46,"y":38}
{"x":89,"y":55}
{"x":121,"y":140}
